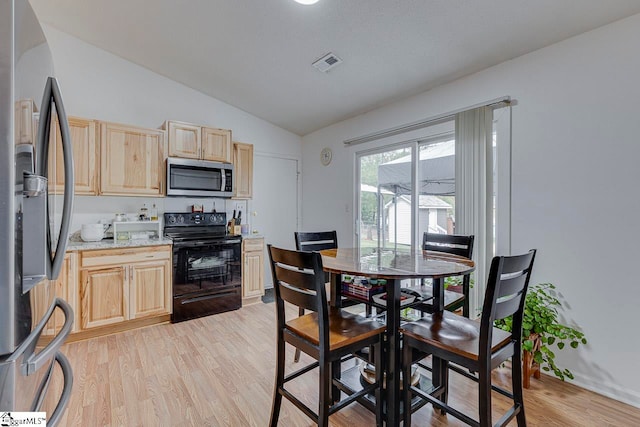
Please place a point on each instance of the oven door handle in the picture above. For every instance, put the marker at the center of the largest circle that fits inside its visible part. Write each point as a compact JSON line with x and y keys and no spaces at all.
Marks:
{"x":194,"y":243}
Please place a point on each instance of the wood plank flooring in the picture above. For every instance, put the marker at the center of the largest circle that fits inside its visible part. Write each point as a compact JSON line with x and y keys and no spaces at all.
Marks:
{"x":219,"y":371}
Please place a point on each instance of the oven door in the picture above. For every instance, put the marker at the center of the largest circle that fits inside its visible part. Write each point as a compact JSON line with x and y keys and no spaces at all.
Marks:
{"x":206,"y":278}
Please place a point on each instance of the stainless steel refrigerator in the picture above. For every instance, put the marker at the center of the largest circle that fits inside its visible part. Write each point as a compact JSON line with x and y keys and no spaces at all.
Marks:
{"x":34,"y":225}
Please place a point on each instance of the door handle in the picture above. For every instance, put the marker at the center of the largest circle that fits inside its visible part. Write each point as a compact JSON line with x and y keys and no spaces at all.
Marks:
{"x":67,"y":374}
{"x":36,"y":360}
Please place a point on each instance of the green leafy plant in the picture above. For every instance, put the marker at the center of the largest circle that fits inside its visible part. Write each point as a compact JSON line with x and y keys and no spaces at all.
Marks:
{"x":541,"y":329}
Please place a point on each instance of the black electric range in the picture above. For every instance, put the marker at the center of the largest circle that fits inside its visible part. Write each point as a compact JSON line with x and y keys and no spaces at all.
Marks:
{"x":207,"y":273}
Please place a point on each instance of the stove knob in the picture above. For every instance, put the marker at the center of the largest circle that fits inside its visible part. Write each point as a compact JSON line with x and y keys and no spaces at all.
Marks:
{"x":213,"y":218}
{"x":171,"y":219}
{"x":180,"y":219}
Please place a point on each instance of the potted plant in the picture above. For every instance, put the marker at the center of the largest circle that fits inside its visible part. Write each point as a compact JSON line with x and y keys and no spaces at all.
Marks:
{"x":541,"y":330}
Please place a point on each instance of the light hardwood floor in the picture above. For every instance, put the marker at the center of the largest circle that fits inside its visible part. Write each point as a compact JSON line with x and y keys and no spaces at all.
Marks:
{"x":219,"y":371}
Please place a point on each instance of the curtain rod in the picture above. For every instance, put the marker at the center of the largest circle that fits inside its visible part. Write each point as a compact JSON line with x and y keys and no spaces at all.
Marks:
{"x":496,"y":103}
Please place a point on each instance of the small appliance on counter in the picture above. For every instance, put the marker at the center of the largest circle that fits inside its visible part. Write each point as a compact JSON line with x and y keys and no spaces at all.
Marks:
{"x":93,"y":232}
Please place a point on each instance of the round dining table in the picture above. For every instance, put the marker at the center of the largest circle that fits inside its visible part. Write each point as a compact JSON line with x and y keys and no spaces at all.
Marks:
{"x":394,"y":265}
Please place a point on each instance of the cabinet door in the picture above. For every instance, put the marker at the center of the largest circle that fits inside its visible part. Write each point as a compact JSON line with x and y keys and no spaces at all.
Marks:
{"x":132,"y":160}
{"x":84,"y":134}
{"x":252,"y":276}
{"x":216,"y":145}
{"x":105,"y":296}
{"x":150,"y":289}
{"x":243,"y":170}
{"x":24,"y":126}
{"x":65,"y":287}
{"x":184,"y":140}
{"x":41,"y":298}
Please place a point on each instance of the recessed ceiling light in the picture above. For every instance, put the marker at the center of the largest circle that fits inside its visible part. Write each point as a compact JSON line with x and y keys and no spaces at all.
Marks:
{"x":307,"y":2}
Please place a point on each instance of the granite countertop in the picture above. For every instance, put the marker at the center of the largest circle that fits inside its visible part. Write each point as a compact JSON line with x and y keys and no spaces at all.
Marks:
{"x":79,"y":245}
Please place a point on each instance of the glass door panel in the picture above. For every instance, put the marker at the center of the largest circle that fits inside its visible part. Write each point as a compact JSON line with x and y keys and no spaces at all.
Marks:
{"x":384,"y":198}
{"x":436,"y":187}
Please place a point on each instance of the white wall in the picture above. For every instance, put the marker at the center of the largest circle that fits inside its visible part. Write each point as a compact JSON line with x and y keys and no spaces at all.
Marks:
{"x":96,"y":84}
{"x":575,"y":149}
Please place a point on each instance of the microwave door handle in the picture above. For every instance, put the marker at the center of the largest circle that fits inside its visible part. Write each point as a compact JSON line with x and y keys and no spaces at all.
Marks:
{"x":223,"y":181}
{"x":69,"y":180}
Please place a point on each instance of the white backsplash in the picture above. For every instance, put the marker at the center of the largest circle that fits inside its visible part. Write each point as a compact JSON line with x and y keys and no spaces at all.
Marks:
{"x":93,"y":209}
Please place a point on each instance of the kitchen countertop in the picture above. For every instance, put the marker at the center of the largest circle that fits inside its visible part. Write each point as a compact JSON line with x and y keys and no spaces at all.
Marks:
{"x":75,"y":245}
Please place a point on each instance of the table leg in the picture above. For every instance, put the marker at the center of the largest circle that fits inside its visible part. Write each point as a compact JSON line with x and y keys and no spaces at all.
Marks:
{"x":336,"y":290}
{"x":437,"y":364}
{"x":394,"y":357}
{"x":335,"y":301}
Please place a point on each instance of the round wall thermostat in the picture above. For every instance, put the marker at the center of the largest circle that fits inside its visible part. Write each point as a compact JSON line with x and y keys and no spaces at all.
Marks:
{"x":325,"y":156}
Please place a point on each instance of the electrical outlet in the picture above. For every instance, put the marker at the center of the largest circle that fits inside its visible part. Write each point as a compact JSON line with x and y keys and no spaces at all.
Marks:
{"x":238,"y":206}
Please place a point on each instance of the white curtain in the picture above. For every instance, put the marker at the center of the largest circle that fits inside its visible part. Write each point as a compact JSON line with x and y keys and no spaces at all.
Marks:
{"x":474,"y":192}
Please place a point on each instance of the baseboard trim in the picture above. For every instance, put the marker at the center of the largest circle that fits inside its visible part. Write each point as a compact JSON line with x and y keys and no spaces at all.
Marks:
{"x":604,"y":388}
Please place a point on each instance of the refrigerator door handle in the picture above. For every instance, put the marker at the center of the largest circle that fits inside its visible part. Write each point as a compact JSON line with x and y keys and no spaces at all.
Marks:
{"x":36,"y":360}
{"x":69,"y":181}
{"x":67,"y":373}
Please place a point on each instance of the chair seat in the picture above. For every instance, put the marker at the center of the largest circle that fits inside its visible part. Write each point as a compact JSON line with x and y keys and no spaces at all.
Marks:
{"x":453,"y":333}
{"x":344,"y":328}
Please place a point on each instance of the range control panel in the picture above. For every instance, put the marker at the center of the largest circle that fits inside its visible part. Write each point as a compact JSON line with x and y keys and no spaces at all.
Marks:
{"x":194,"y":219}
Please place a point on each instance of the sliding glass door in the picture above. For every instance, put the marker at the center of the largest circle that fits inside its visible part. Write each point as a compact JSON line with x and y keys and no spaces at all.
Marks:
{"x":404,"y":191}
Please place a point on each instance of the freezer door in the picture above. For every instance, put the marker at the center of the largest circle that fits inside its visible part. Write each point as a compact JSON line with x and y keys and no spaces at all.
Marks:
{"x":25,"y":375}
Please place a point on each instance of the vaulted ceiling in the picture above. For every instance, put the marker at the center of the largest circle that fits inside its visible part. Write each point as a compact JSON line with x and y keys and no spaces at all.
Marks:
{"x":256,"y":54}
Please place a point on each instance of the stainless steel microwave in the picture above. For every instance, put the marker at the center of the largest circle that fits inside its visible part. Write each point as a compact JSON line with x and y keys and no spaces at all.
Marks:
{"x":199,"y":178}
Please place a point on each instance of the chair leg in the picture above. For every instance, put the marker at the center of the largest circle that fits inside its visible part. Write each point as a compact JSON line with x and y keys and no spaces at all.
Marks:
{"x":445,"y":384}
{"x":296,"y":357}
{"x":324,"y":393}
{"x":516,"y":384}
{"x":277,"y":397}
{"x":484,"y":394}
{"x":380,"y":380}
{"x":406,"y":383}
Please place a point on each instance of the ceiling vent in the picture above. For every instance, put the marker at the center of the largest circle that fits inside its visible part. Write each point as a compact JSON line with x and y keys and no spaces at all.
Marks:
{"x":327,"y":62}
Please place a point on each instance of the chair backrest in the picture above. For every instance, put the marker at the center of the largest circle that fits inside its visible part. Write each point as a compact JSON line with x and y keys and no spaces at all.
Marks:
{"x":507,"y":287}
{"x":316,"y":240}
{"x":298,"y":279}
{"x":449,"y":243}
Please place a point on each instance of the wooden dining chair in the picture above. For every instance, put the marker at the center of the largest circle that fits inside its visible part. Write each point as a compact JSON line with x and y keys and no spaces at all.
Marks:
{"x":327,"y":334}
{"x":314,"y":241}
{"x":479,"y":347}
{"x":317,"y":241}
{"x":456,"y":245}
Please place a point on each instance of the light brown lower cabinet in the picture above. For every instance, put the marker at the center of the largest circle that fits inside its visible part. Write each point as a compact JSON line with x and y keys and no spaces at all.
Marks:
{"x":64,"y":287}
{"x":120,"y":285}
{"x":104,"y":295}
{"x":252,"y":270}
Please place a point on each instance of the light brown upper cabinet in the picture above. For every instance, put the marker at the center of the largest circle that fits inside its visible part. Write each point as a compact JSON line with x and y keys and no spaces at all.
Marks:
{"x":85,"y":142}
{"x":191,"y":141}
{"x":132,"y":160}
{"x":184,"y":139}
{"x":216,"y":145}
{"x":243,"y":170}
{"x":25,"y":129}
